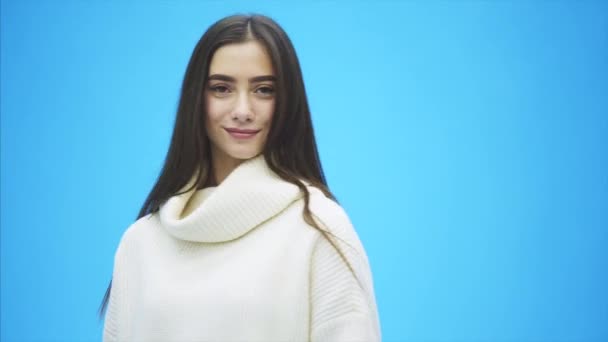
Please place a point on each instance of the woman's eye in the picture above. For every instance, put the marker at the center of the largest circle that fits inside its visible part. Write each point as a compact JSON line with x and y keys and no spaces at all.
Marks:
{"x":220,"y":89}
{"x":266,"y":91}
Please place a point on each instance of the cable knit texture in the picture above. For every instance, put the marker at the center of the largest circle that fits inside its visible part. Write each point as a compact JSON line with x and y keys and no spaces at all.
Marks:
{"x":237,"y":262}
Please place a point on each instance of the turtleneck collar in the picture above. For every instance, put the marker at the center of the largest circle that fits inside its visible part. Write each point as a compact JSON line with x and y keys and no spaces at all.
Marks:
{"x":250,"y":195}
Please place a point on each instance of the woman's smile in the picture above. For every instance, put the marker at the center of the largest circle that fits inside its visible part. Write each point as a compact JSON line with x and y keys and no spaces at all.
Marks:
{"x":242,"y":133}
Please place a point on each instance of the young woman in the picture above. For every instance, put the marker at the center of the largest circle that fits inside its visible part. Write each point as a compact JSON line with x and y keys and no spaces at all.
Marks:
{"x":240,"y":238}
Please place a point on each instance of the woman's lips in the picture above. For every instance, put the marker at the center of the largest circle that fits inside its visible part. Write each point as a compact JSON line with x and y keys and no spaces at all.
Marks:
{"x":241,"y":133}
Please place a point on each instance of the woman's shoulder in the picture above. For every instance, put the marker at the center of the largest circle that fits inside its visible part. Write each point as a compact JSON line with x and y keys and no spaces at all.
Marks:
{"x":344,"y":240}
{"x":138,"y":231}
{"x":327,"y":209}
{"x":334,"y":219}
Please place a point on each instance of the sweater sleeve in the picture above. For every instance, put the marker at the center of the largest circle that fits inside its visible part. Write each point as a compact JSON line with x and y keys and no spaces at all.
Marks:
{"x":343,"y":305}
{"x":340,"y":308}
{"x":116,"y":319}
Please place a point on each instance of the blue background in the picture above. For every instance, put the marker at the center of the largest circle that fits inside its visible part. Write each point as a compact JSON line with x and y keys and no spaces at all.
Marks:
{"x":468,"y":141}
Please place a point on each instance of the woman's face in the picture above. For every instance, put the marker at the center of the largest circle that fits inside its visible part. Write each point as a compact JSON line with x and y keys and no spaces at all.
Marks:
{"x":240,"y":101}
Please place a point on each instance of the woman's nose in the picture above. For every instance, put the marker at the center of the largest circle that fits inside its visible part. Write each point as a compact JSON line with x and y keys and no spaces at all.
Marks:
{"x":242,"y":110}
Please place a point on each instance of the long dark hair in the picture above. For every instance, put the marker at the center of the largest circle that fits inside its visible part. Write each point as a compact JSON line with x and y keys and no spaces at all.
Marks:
{"x":290,"y":150}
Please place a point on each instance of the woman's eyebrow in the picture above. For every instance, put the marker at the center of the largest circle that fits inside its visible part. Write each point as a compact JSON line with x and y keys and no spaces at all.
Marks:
{"x":262,"y":78}
{"x":256,"y":79}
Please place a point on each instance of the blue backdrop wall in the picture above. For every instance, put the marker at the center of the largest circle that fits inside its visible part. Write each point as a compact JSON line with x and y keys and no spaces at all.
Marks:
{"x":467,"y":140}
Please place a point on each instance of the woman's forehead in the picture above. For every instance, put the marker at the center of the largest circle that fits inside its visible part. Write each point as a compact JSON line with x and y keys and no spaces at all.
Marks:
{"x":241,"y":60}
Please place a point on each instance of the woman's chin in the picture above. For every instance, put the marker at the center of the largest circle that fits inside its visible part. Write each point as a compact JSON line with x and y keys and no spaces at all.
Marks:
{"x":244,"y":154}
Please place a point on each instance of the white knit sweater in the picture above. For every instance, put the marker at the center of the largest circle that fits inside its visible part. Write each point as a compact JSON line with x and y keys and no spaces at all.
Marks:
{"x":243,"y":265}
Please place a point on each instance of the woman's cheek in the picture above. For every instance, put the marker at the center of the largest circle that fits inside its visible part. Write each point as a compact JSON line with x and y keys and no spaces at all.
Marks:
{"x":214,"y":109}
{"x":264,"y":110}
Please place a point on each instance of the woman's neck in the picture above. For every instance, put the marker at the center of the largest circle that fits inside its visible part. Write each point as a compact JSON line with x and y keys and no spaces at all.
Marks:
{"x":221,"y":166}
